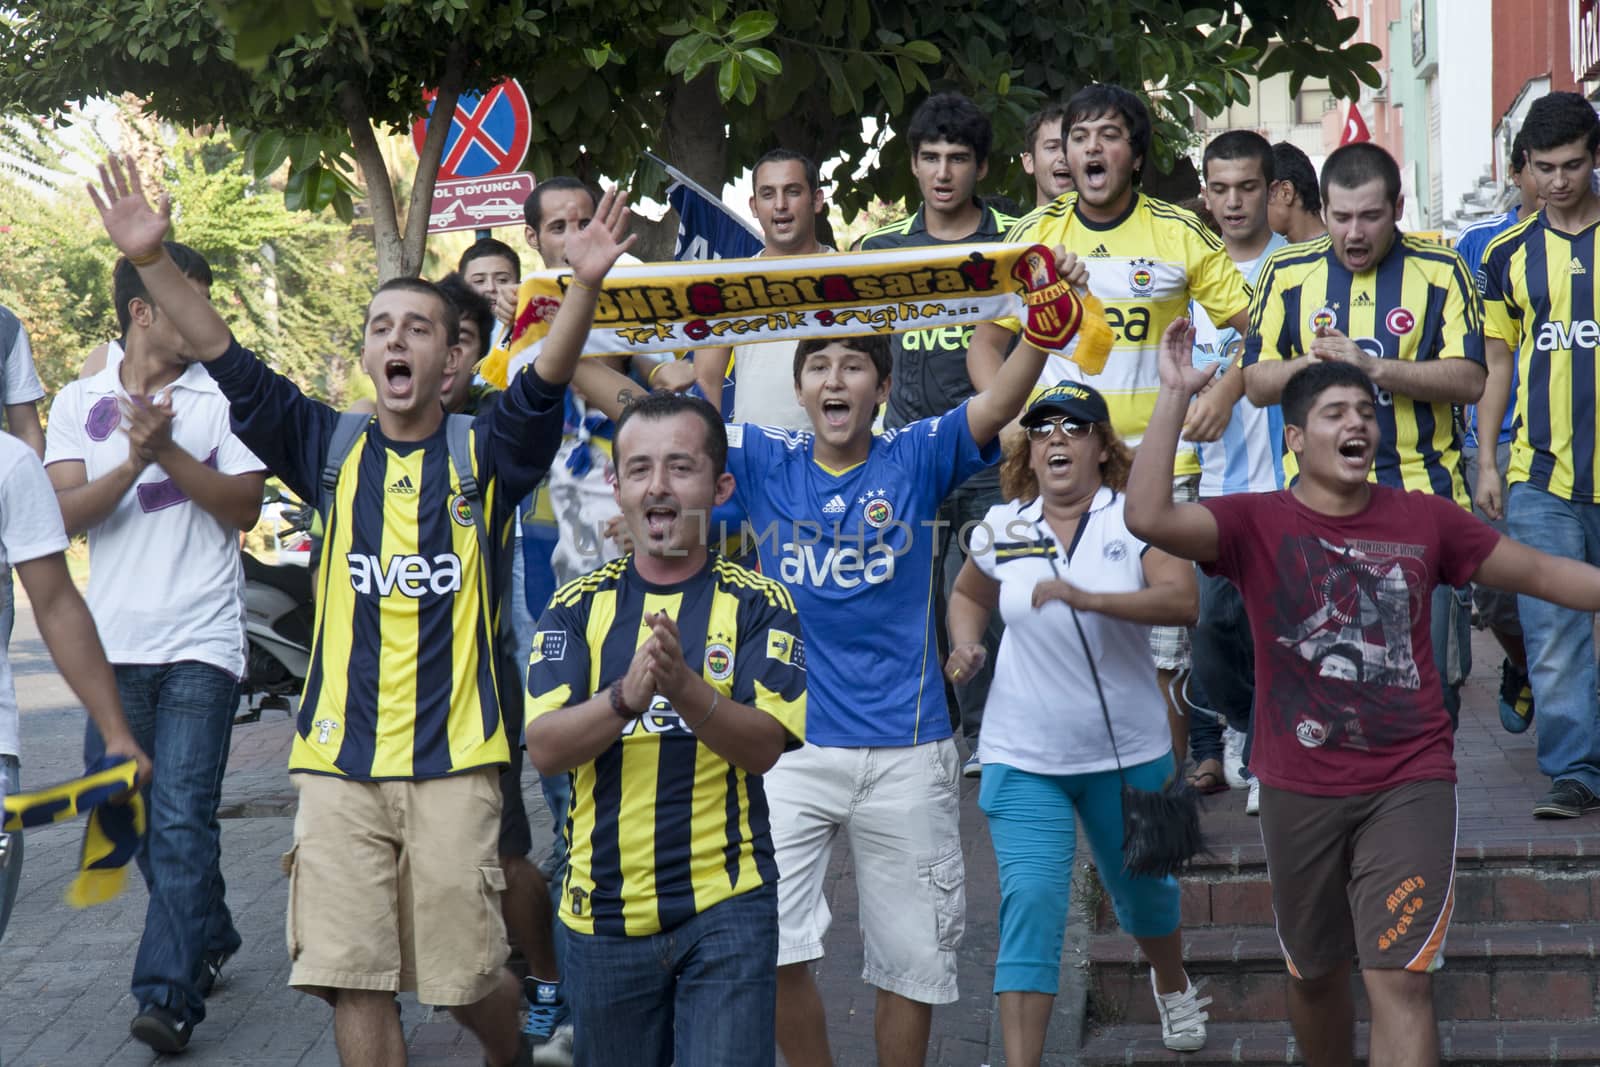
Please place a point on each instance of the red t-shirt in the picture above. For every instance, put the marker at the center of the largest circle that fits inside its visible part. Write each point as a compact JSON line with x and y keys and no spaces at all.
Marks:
{"x":1347,"y":697}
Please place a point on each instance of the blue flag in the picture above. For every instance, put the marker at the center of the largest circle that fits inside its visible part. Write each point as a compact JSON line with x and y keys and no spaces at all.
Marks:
{"x":706,"y":229}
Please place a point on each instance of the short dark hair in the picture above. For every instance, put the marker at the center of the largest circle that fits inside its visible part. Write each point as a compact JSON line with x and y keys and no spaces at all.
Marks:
{"x":487,"y":248}
{"x":1237,"y":145}
{"x":470,"y":305}
{"x":1519,"y":153}
{"x":951,"y":117}
{"x":1291,"y":165}
{"x":875,"y":346}
{"x":1302,"y":390}
{"x":1098,"y":99}
{"x":127,"y":286}
{"x":1354,"y":165}
{"x":1051,"y":112}
{"x":789,"y":155}
{"x":448,"y":313}
{"x":533,"y":207}
{"x":665,"y":404}
{"x":1556,"y":119}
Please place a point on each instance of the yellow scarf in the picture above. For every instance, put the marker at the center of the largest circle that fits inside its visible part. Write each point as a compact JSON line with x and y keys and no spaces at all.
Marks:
{"x":114,"y":831}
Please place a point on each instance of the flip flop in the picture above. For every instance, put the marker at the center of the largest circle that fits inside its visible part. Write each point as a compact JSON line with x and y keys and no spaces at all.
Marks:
{"x":1208,"y":782}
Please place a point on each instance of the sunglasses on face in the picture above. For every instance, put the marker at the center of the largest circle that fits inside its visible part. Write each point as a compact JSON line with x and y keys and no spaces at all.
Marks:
{"x":1069,"y":427}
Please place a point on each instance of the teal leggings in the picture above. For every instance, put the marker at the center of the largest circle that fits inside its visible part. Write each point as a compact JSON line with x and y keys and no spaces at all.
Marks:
{"x":1031,"y":826}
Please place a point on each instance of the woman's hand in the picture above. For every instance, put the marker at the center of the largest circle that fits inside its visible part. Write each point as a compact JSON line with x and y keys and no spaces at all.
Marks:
{"x":965,"y":661}
{"x":1056,"y":589}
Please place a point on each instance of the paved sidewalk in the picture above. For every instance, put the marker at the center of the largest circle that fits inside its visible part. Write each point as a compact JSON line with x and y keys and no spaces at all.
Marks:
{"x":64,"y":973}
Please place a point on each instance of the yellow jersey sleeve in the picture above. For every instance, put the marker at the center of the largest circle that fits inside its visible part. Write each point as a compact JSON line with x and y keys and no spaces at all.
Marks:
{"x":1502,"y":316}
{"x":1214,"y":281}
{"x":1271,"y":334}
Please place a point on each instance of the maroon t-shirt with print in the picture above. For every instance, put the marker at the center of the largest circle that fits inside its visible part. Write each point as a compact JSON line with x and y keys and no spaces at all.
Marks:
{"x":1347,"y":697}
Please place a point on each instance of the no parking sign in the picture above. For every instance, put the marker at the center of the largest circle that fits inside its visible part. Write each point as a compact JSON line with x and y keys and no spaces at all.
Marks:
{"x":489,"y":132}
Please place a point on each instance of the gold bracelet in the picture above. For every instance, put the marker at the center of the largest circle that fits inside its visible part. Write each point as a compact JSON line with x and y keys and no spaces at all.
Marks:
{"x":716,"y":697}
{"x":150,"y":259}
{"x":650,"y":379}
{"x":579,"y":283}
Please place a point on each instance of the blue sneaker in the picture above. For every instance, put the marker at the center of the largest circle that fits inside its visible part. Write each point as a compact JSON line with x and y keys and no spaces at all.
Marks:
{"x":973,"y":767}
{"x":544,"y":1009}
{"x":1516,"y":698}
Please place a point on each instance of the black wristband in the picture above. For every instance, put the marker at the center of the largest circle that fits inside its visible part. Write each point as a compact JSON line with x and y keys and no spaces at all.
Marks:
{"x":619,"y":705}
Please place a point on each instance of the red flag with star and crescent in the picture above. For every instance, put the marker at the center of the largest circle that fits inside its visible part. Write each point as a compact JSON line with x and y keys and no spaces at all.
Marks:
{"x":1355,"y":127}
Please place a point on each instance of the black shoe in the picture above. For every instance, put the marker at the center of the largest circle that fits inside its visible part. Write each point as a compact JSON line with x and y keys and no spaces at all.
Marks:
{"x":160,"y":1029}
{"x":1567,"y":799}
{"x":211,"y":970}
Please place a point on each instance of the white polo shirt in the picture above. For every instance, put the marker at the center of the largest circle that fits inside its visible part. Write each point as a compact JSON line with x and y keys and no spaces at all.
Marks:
{"x":30,"y":527}
{"x":165,"y":582}
{"x":1043,"y":713}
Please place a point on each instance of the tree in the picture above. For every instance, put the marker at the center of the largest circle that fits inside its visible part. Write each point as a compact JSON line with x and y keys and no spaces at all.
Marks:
{"x":313,"y":101}
{"x":709,"y":84}
{"x":287,"y":284}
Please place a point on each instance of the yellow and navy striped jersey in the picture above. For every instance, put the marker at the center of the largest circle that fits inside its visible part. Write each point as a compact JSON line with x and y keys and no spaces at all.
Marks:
{"x":660,"y":827}
{"x":1418,"y":303}
{"x":402,"y":682}
{"x":1145,"y":267}
{"x":1541,"y":296}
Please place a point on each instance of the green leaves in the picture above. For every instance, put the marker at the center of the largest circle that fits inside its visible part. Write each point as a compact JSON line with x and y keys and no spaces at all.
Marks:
{"x":742,"y":66}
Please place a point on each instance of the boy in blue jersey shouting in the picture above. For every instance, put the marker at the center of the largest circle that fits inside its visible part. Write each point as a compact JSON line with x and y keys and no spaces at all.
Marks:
{"x":394,"y":880}
{"x":848,"y":521}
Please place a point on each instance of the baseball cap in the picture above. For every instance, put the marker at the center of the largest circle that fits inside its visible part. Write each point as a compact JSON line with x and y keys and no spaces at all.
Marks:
{"x":1072,"y":399}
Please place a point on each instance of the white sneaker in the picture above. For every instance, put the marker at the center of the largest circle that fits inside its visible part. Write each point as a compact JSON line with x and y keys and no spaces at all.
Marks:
{"x":1233,"y":758}
{"x":556,"y":1052}
{"x":1252,"y":803}
{"x":1183,"y":1018}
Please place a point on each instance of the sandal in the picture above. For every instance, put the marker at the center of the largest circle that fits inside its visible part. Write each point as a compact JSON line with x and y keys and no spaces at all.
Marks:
{"x":1205,"y":781}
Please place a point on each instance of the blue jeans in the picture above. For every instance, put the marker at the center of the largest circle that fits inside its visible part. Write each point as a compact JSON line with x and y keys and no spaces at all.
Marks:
{"x":1560,"y":641}
{"x":702,"y":993}
{"x":1452,"y":643}
{"x":11,"y":873}
{"x":1223,"y":678}
{"x":1033,"y":831}
{"x":181,"y":714}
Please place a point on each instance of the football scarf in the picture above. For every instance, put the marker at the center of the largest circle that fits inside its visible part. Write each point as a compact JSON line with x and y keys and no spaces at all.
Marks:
{"x":111,"y":838}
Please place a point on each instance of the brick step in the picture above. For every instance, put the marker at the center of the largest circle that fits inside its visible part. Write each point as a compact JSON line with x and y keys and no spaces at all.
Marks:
{"x":1488,"y":889}
{"x":1462,"y":1043}
{"x":1513,"y":971}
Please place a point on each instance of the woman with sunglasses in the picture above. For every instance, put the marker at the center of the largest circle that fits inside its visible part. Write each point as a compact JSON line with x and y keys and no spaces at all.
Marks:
{"x":1074,"y":695}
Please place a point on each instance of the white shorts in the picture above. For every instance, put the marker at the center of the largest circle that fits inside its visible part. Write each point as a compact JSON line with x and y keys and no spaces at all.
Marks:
{"x":901,"y":810}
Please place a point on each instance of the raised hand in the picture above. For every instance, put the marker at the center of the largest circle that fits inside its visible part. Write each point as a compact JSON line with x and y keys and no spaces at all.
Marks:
{"x":1177,"y":368}
{"x":593,"y":250}
{"x":133,"y":225}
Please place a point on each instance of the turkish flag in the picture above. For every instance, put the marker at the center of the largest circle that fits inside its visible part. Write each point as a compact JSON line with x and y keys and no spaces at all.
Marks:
{"x":1355,"y":127}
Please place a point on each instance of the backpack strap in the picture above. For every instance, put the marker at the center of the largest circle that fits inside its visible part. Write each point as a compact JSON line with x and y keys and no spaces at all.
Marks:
{"x":346,"y":432}
{"x":458,"y":437}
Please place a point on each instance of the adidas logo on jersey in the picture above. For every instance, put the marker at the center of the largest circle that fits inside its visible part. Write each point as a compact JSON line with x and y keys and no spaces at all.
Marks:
{"x":403,"y":485}
{"x":1576,"y":267}
{"x":836,"y":506}
{"x":1364,"y":300}
{"x":1100,"y":251}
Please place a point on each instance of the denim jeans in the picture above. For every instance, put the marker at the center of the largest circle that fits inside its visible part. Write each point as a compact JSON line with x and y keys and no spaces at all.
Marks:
{"x":1560,"y":641}
{"x":1223,"y":678}
{"x":557,"y":790}
{"x":181,"y":714}
{"x":11,"y":873}
{"x":702,"y":993}
{"x":967,"y":504}
{"x":1451,"y":634}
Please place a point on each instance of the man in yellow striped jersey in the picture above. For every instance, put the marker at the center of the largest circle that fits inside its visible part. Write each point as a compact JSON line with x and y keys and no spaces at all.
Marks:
{"x":394,"y":880}
{"x":1405,"y":311}
{"x":1541,"y":290}
{"x":1146,"y":259}
{"x":666,"y":684}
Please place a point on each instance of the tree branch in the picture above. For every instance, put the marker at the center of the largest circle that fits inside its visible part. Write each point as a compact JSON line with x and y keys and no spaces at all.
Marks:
{"x":421,"y":205}
{"x":375,"y":175}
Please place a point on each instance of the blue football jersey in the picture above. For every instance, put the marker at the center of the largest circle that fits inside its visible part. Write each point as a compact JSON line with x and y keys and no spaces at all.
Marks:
{"x":857,"y":550}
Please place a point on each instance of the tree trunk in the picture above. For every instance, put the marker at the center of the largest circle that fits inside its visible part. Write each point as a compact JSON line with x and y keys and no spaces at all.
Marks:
{"x":400,"y":254}
{"x":693,"y":140}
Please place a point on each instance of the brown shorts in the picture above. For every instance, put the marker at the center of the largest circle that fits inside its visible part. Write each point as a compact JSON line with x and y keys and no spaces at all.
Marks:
{"x":395,"y":887}
{"x":1369,"y":876}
